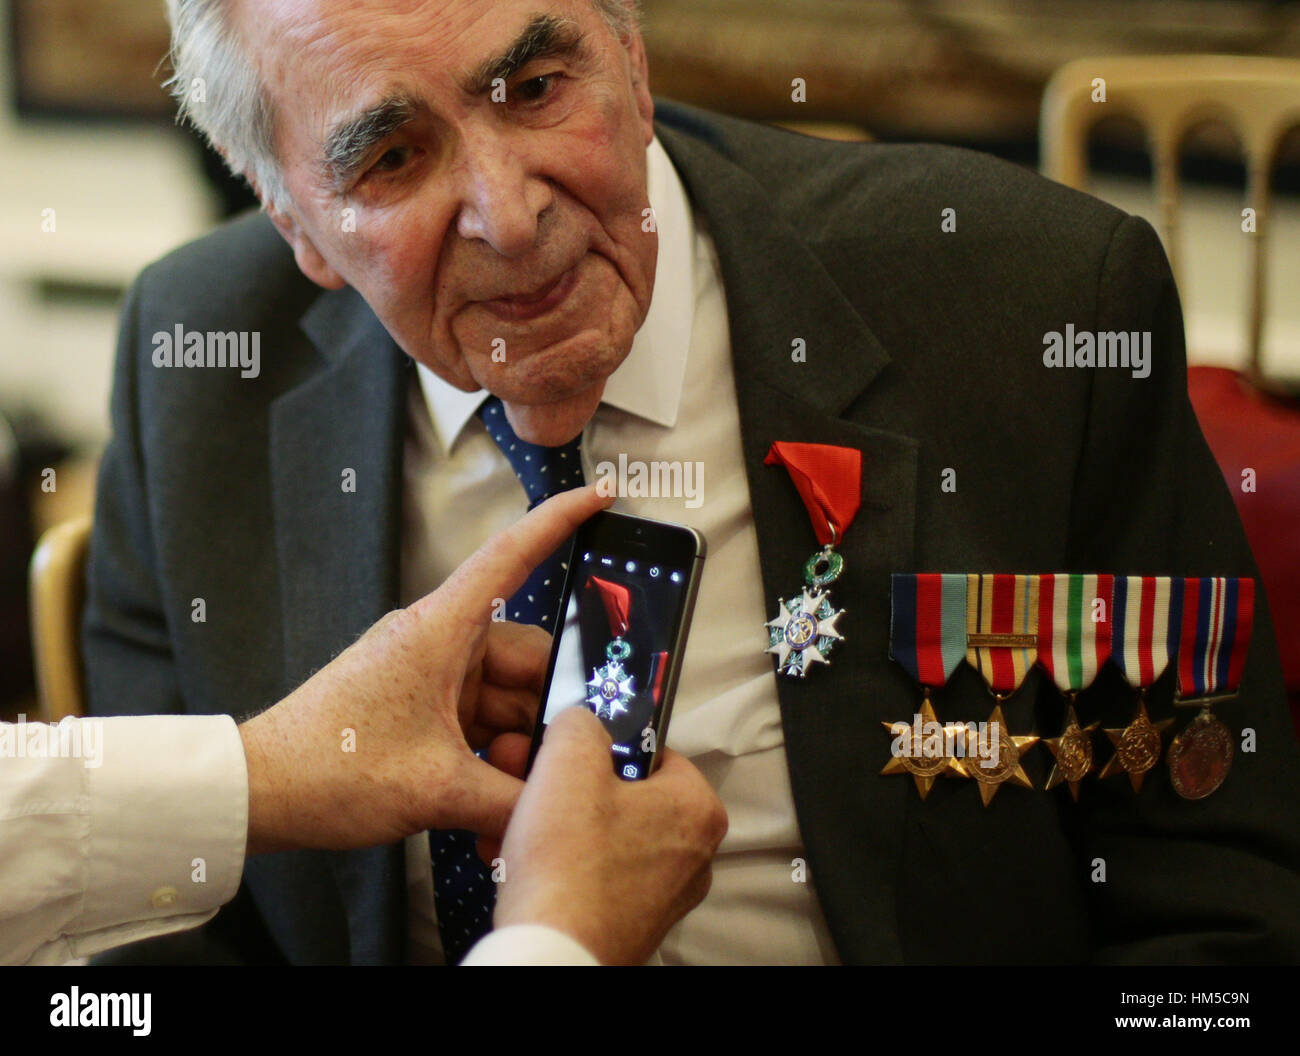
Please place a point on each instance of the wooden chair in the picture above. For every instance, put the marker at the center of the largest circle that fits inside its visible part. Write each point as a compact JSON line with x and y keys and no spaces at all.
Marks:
{"x":57,"y":583}
{"x":1169,"y":95}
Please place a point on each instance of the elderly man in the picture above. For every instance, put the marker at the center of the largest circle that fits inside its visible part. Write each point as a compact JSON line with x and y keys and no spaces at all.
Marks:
{"x":518,"y":247}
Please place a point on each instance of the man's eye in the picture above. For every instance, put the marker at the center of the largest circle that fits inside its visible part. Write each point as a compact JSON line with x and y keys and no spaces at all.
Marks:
{"x":536,"y":88}
{"x":391,"y":160}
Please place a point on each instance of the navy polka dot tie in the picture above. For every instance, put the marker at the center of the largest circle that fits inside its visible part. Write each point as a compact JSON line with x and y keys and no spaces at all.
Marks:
{"x":464,"y":893}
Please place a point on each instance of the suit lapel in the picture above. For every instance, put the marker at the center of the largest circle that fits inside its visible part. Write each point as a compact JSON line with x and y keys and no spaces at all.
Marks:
{"x":777,"y":291}
{"x":338,"y":549}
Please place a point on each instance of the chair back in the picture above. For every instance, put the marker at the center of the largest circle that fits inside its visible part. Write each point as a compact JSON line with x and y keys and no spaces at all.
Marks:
{"x":1170,"y":95}
{"x":57,"y":582}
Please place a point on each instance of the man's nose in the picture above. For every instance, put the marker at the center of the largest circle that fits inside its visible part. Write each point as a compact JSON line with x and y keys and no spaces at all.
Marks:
{"x":501,"y":198}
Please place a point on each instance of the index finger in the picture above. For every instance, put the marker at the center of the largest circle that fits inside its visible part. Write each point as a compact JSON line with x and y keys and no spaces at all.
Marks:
{"x":575,"y":745}
{"x":500,"y":566}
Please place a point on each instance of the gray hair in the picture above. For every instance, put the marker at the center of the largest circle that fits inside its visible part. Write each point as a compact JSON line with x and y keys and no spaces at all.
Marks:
{"x":219,"y":91}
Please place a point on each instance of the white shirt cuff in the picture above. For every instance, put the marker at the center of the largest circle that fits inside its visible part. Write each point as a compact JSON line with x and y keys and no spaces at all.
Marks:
{"x":168,"y":812}
{"x":528,"y":944}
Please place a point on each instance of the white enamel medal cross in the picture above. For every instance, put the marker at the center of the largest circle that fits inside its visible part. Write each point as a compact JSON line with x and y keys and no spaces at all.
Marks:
{"x":805,"y":628}
{"x":611,"y":688}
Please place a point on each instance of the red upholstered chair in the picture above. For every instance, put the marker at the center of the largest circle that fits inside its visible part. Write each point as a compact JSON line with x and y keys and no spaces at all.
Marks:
{"x":1249,"y":430}
{"x":1252,"y":422}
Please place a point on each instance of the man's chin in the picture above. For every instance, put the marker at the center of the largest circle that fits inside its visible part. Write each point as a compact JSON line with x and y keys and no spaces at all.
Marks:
{"x":553,"y":424}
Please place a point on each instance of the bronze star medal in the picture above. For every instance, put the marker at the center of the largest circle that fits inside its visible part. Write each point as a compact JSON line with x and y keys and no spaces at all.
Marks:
{"x":931,"y":757}
{"x":1072,"y":752}
{"x":1002,"y":752}
{"x":1072,"y":646}
{"x":1137,"y":746}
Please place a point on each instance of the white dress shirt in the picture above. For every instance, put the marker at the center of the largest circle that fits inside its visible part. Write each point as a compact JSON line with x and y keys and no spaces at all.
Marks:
{"x":673,"y":398}
{"x":145,"y":836}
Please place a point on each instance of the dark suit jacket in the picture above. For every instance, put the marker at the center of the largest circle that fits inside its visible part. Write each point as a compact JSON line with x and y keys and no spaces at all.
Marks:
{"x":924,"y":350}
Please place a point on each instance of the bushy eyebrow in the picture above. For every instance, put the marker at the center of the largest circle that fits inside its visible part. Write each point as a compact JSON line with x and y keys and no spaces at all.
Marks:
{"x":350,"y":141}
{"x":545,"y":37}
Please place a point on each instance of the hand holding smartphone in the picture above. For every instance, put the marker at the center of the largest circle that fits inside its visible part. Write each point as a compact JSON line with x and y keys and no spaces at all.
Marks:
{"x":627,"y":602}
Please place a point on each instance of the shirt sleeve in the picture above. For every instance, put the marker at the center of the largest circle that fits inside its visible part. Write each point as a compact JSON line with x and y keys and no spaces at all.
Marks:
{"x":528,"y":944}
{"x":115,"y":830}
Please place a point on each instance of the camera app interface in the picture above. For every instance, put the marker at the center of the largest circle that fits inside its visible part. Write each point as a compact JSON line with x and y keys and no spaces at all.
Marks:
{"x":614,"y":650}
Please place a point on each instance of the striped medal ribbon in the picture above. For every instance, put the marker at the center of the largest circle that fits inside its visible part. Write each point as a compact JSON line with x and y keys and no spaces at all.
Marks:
{"x":1002,"y":645}
{"x":1147,"y":615}
{"x":927,"y":638}
{"x":927,"y":628}
{"x":1002,"y":629}
{"x":1218,"y":616}
{"x":1074,"y":641}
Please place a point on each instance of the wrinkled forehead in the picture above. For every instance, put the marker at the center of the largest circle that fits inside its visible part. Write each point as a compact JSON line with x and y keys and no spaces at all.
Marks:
{"x":325,"y":60}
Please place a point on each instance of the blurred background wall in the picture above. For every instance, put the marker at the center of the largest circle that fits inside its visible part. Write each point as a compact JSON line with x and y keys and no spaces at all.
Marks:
{"x":85,"y":132}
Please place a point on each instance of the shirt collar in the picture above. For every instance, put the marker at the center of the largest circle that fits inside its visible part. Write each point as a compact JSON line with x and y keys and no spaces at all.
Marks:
{"x":648,"y":383}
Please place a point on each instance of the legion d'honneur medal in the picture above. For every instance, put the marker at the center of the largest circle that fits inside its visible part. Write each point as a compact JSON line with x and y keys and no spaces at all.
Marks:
{"x":1146,"y":614}
{"x":1218,"y":616}
{"x":611,"y":689}
{"x":927,"y":636}
{"x":829,"y":480}
{"x":1002,"y":645}
{"x":1074,"y":641}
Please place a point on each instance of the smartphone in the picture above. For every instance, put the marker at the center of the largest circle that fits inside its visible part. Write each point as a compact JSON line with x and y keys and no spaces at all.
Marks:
{"x":628,"y":596}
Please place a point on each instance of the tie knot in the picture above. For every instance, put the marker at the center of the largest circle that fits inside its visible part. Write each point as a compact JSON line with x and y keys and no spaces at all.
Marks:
{"x":543,"y":471}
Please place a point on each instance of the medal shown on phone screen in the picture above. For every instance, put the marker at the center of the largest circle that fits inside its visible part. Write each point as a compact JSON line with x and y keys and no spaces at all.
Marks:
{"x":622,"y":630}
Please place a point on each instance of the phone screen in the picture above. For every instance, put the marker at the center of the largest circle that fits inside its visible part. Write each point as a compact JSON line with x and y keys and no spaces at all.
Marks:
{"x":624,"y":627}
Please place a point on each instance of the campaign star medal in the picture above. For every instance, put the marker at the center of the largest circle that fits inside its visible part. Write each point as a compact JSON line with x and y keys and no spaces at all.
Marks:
{"x":993,"y":757}
{"x":1002,"y":645}
{"x":1137,"y":746}
{"x":1146,"y":613}
{"x":829,"y":480}
{"x":924,"y":748}
{"x":927,"y":637}
{"x":611,"y":689}
{"x":1074,"y":640}
{"x":1218,"y":616}
{"x":1072,"y":751}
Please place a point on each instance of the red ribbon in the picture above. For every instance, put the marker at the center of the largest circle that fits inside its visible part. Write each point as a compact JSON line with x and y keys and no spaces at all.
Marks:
{"x":828,"y":479}
{"x":659,"y":664}
{"x":618,"y":603}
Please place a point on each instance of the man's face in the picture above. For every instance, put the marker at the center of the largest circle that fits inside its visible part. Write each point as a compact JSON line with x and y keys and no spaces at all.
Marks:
{"x":476,"y":170}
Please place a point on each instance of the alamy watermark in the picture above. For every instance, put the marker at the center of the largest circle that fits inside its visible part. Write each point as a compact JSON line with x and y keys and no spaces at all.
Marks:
{"x":92,"y":1009}
{"x":70,"y":739}
{"x":951,"y":740}
{"x":652,"y":480}
{"x":238,"y":349}
{"x":1127,"y":350}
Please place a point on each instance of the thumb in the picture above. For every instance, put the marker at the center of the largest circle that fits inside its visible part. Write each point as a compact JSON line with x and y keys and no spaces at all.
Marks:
{"x":509,"y":752}
{"x":485,"y":800}
{"x":501,"y":565}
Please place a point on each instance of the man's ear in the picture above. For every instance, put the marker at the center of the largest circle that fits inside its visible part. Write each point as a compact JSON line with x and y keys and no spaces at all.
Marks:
{"x":310,"y":261}
{"x":641,"y":82}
